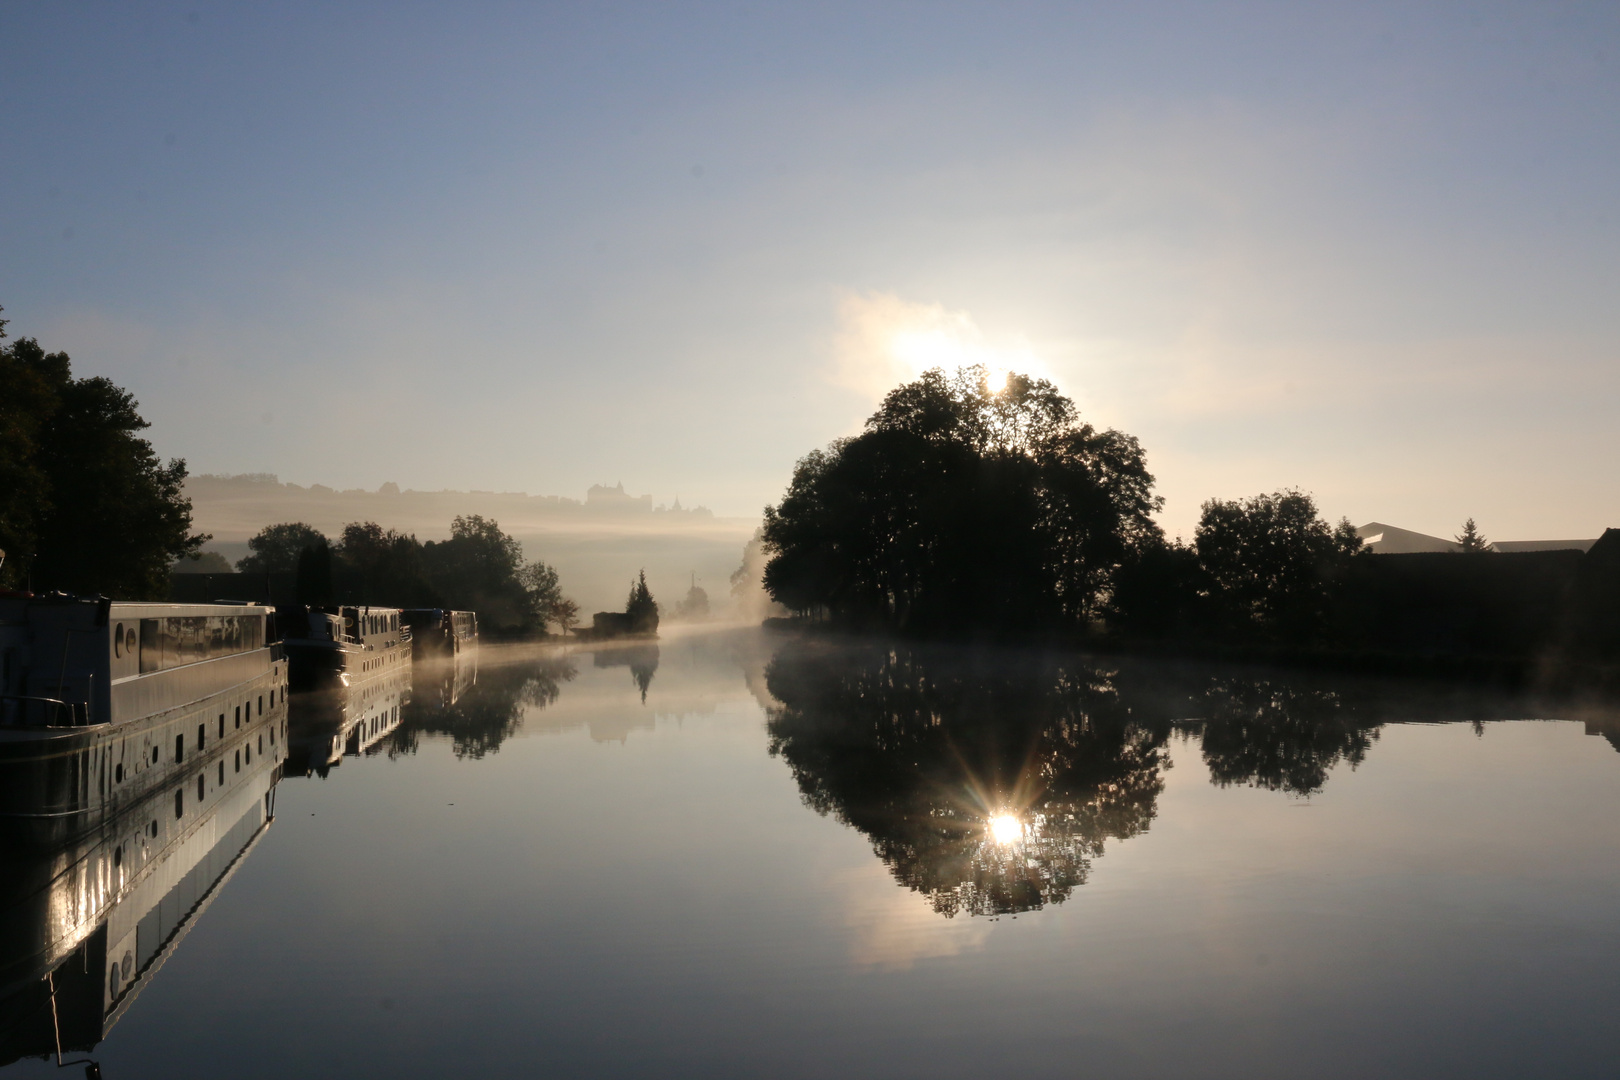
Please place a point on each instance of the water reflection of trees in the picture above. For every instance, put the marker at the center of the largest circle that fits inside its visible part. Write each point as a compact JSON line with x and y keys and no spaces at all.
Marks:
{"x":642,"y":660}
{"x":987,"y":784}
{"x":1280,"y":737}
{"x":481,"y":716}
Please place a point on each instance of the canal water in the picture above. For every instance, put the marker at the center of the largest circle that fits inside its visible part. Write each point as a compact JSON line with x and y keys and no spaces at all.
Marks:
{"x":737,"y":853}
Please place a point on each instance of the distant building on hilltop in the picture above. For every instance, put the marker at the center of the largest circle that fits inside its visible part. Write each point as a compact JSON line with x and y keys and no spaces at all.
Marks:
{"x":1383,"y":539}
{"x":616,"y":500}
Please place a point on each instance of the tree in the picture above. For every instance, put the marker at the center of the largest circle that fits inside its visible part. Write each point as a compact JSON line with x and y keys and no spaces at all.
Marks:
{"x":1271,"y":563}
{"x":482,"y":569}
{"x":641,"y":607}
{"x":313,"y":585}
{"x":202,"y":562}
{"x":32,"y":380}
{"x":1471,"y":541}
{"x":962,"y":509}
{"x":748,"y":596}
{"x":86,"y":506}
{"x":385,"y":566}
{"x":277,"y":548}
{"x":546,"y":598}
{"x":694,"y":607}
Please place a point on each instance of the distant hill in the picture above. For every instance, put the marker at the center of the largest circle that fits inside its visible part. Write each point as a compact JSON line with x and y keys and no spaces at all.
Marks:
{"x":597,"y":544}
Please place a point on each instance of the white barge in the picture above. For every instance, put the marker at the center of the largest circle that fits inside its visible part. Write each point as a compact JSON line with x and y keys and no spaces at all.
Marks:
{"x":104,"y":704}
{"x":340,"y":646}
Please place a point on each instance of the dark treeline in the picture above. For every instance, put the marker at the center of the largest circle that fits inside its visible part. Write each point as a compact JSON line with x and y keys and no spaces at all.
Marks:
{"x":86,"y":505}
{"x":479,"y":568}
{"x":921,"y":747}
{"x":963,"y":511}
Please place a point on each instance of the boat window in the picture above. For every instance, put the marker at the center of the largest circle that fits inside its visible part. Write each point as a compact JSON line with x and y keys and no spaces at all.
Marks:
{"x":222,"y":725}
{"x":118,"y":774}
{"x":118,"y":640}
{"x":179,"y":802}
{"x":179,"y":749}
{"x":238,"y":767}
{"x":202,"y":786}
{"x":174,"y":640}
{"x":221,"y":772}
{"x":201,"y":728}
{"x":239,"y":716}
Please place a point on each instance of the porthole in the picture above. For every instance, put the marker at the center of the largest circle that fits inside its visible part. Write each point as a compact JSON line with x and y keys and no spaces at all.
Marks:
{"x":154,"y":755}
{"x":118,"y":773}
{"x":118,"y":855}
{"x":118,"y":640}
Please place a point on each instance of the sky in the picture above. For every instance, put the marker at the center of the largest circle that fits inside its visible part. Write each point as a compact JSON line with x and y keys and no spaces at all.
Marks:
{"x":1367,"y":251}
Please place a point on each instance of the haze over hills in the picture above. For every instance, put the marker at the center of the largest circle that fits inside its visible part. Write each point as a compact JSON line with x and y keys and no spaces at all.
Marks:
{"x":597,"y":544}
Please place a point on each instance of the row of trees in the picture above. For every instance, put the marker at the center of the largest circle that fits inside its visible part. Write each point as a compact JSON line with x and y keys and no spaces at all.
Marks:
{"x":86,"y":505}
{"x":480,"y":568}
{"x":963,"y":509}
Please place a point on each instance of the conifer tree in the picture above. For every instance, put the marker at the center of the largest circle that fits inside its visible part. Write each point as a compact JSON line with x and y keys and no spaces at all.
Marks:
{"x":1470,"y":539}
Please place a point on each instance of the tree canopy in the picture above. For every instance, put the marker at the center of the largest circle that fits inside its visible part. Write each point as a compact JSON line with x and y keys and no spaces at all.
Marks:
{"x":277,"y":547}
{"x":86,"y":505}
{"x":1271,"y":563}
{"x":963,"y":508}
{"x":480,"y":568}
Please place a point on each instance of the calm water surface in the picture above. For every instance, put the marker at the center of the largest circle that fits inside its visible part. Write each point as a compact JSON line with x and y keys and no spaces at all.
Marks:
{"x":734,"y":854}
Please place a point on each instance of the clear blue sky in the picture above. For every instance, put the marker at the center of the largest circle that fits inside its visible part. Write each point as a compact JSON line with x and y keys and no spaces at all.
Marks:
{"x":1366,"y":250}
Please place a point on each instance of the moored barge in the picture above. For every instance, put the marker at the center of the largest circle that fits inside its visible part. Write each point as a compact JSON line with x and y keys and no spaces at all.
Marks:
{"x":103,"y":703}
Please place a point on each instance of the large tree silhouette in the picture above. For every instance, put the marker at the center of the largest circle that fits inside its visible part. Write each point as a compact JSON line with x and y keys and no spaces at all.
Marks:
{"x":963,"y":508}
{"x":86,"y":505}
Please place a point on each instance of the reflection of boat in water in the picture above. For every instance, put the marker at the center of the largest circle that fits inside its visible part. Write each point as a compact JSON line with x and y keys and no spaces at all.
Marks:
{"x":441,"y":682}
{"x":438,"y":632}
{"x":324,"y":725}
{"x":340,"y":645}
{"x":85,"y":923}
{"x":105,"y":704}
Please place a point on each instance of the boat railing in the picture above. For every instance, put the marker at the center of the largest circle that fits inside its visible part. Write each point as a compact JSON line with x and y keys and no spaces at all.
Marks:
{"x":23,"y":710}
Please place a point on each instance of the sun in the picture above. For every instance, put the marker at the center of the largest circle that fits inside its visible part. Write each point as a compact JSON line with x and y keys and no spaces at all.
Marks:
{"x":1006,"y":829}
{"x":951,"y":350}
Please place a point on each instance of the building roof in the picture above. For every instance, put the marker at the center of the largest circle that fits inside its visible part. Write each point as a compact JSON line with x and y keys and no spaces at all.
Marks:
{"x":1382,"y":539}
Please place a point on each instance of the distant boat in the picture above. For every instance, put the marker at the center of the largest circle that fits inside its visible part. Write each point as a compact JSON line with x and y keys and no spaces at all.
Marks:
{"x":440,"y":632}
{"x":337,"y":646}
